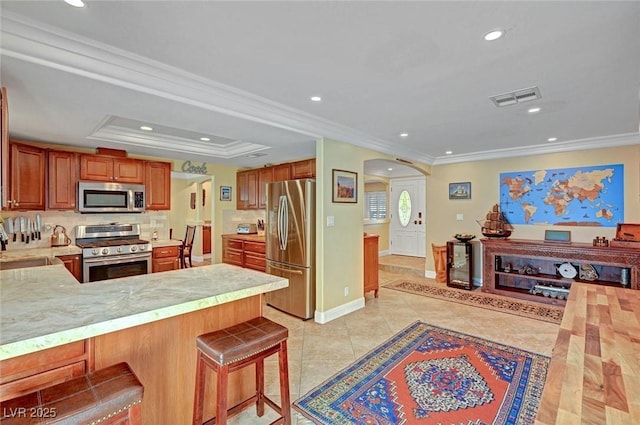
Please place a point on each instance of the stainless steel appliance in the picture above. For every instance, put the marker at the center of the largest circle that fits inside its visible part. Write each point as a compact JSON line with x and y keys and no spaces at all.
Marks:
{"x":103,"y":197}
{"x":290,"y":244}
{"x":112,"y":250}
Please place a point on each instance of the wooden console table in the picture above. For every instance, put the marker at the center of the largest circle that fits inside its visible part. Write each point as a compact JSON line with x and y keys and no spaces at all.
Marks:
{"x":527,"y":269}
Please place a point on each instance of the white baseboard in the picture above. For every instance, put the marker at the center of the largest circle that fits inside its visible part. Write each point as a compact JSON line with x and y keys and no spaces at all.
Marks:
{"x":323,"y":317}
{"x":431,"y":274}
{"x":383,"y":253}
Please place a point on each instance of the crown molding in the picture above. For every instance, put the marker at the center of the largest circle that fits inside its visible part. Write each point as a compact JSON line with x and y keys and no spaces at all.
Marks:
{"x":567,"y":146}
{"x":45,"y":45}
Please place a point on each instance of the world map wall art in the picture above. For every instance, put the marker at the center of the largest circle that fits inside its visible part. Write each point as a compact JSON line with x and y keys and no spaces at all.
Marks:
{"x":586,"y":196}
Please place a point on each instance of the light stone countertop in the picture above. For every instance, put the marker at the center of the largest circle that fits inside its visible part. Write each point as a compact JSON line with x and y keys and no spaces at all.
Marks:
{"x":165,"y":242}
{"x":44,"y":307}
{"x":24,"y":254}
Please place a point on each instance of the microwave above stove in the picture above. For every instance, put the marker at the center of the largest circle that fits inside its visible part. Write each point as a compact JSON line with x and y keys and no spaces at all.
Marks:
{"x":103,"y":197}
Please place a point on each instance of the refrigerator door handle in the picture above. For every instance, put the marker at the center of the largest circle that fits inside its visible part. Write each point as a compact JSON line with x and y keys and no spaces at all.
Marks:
{"x":282,"y":223}
{"x":290,"y":271}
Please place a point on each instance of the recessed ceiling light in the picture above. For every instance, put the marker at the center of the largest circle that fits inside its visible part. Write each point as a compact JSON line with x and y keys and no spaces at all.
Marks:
{"x":205,"y":139}
{"x":404,"y":134}
{"x":316,"y":98}
{"x":534,"y":110}
{"x":389,"y":169}
{"x":75,"y":3}
{"x":493,"y":35}
{"x":146,"y":128}
{"x":552,"y":139}
{"x":449,"y":152}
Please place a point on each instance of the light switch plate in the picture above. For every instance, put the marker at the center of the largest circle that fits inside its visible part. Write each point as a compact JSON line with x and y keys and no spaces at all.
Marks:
{"x":459,"y":217}
{"x":331,"y":221}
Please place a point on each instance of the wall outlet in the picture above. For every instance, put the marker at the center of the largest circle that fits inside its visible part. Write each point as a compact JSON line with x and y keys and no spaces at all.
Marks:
{"x":346,"y":291}
{"x":153,"y":223}
{"x":48,"y":227}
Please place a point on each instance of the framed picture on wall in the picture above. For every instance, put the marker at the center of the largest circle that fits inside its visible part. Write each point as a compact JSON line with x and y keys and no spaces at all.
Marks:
{"x":345,"y":186}
{"x":225,"y":193}
{"x":461,"y":190}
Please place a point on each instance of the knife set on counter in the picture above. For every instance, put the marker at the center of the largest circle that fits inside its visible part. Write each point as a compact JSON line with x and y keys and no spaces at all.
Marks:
{"x":28,"y":228}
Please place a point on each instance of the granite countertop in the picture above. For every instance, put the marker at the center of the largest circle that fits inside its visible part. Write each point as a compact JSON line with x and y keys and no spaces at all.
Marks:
{"x":43,"y":307}
{"x":25,"y":254}
{"x":255,"y":237}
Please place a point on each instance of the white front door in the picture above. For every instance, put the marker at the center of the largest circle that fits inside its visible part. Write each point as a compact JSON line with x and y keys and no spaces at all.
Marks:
{"x":407,"y":207}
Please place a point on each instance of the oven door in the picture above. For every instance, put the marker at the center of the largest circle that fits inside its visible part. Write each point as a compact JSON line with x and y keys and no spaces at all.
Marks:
{"x":95,"y":269}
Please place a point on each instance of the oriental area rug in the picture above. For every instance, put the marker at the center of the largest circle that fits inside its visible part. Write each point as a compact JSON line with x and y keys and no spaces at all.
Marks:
{"x":431,"y":375}
{"x":530,"y":309}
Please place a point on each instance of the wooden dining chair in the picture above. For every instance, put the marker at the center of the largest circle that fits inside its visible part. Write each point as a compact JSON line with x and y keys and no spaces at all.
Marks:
{"x":187,"y":246}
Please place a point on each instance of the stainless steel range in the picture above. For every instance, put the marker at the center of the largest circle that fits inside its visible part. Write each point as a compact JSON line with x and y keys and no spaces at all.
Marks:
{"x":112,"y":250}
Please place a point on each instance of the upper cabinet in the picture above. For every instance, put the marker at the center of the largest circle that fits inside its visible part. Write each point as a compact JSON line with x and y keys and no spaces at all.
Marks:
{"x":247,"y":184}
{"x":63,"y":180}
{"x":27,"y":180}
{"x":158,"y":185}
{"x":111,"y":169}
{"x":251,"y":185}
{"x":303,"y":169}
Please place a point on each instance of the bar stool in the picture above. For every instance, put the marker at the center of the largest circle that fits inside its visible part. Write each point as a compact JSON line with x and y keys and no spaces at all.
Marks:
{"x":107,"y":396}
{"x":233,"y":348}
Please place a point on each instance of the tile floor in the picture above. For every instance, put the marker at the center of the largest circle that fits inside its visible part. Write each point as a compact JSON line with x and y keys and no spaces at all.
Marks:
{"x":316,"y":352}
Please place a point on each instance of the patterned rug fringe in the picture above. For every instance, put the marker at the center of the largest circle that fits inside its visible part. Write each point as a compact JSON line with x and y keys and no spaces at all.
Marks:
{"x":532,"y":310}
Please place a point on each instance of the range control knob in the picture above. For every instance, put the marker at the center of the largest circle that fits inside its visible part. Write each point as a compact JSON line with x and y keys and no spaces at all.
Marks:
{"x":105,"y":251}
{"x":119,"y":249}
{"x":95,"y":251}
{"x":134,"y":248}
{"x":142,"y":247}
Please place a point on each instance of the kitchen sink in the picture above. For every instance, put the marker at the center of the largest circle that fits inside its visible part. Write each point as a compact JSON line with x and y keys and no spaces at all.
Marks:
{"x":29,"y":262}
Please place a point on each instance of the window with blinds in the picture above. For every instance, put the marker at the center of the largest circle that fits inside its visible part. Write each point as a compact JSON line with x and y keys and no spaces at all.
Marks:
{"x":376,"y":205}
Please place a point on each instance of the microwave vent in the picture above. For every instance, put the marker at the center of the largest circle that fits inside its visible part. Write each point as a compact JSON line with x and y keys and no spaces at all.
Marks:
{"x":515,"y":97}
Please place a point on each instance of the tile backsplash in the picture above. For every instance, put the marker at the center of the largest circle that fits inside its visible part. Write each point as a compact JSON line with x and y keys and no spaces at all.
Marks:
{"x":69,"y":220}
{"x":231,"y":218}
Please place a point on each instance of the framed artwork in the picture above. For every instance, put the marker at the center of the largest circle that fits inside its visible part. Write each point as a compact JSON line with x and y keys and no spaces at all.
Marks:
{"x":225,"y":193}
{"x":460,"y":190}
{"x":345,"y":186}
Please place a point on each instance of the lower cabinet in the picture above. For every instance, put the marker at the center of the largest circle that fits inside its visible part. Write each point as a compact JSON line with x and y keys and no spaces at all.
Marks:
{"x":24,"y":374}
{"x":371,"y":282}
{"x":239,"y":251}
{"x":73,"y":263}
{"x":165,"y":258}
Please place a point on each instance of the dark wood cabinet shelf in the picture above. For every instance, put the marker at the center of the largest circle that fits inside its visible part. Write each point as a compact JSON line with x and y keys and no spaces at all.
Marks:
{"x":503,"y":261}
{"x":459,"y":264}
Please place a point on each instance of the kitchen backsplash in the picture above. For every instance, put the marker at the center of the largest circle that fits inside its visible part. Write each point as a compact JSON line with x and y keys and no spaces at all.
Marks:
{"x":69,"y":220}
{"x":231,"y":218}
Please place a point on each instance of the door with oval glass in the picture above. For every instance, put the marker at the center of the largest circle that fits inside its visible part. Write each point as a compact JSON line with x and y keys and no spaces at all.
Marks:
{"x":407,"y":234}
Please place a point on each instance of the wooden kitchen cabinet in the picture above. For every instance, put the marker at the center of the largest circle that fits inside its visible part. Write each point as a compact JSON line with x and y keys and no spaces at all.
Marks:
{"x":254,"y":255}
{"x":165,"y":258}
{"x":63,"y":180}
{"x":111,"y":169}
{"x":30,"y":372}
{"x":158,"y":185}
{"x":371,"y":281}
{"x":303,"y":169}
{"x":265,"y":176}
{"x":27,"y":182}
{"x":281,"y":172}
{"x":73,"y":263}
{"x":244,"y":251}
{"x":247,"y":187}
{"x":206,"y":239}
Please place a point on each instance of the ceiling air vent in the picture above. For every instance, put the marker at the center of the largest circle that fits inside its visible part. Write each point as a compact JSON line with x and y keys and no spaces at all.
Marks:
{"x":518,"y":96}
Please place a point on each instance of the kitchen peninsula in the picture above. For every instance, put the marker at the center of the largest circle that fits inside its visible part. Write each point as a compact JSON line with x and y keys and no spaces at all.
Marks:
{"x":150,"y":321}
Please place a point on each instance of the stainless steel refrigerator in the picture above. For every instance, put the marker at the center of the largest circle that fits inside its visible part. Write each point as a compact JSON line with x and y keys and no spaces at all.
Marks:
{"x":290,"y":238}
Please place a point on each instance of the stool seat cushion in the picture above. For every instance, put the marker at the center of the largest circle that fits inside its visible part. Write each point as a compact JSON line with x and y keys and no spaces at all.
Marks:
{"x":241,"y":341}
{"x":84,"y":400}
